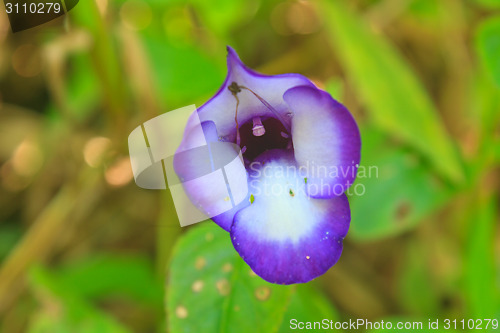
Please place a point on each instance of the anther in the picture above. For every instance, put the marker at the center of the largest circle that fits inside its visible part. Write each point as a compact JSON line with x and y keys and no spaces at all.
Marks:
{"x":258,"y":129}
{"x":234,"y":88}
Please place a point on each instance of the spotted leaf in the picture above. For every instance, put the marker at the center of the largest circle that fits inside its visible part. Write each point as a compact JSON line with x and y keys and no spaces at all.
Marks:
{"x":211,"y":289}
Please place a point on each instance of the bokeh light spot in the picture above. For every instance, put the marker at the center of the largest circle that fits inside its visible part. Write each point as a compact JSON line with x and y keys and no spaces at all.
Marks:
{"x":27,"y":159}
{"x":120,"y":173}
{"x":136,"y":14}
{"x":295,"y":17}
{"x":181,"y":312}
{"x":94,"y":150}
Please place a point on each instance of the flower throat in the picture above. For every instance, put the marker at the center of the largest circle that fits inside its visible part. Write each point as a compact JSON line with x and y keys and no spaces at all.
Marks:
{"x":260,"y":134}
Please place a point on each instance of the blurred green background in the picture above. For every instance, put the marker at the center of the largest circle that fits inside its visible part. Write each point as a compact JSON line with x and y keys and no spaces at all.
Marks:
{"x":83,"y":249}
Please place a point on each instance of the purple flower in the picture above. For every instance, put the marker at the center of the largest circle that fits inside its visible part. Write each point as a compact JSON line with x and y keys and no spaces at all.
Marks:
{"x":301,"y":150}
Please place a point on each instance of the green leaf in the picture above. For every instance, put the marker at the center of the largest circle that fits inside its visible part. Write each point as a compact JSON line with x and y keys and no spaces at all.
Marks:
{"x":484,"y":103}
{"x":426,"y":11}
{"x":488,"y":46}
{"x":496,"y":146}
{"x":394,"y":97}
{"x":335,"y":87}
{"x":73,"y":314}
{"x":221,"y":16}
{"x":45,"y":322}
{"x":104,"y":56}
{"x":308,"y":304}
{"x":414,"y":271}
{"x":211,"y":289}
{"x":393,"y":192}
{"x":83,"y":91}
{"x":489,"y":3}
{"x":480,"y":284}
{"x":104,"y":275}
{"x":183,"y":73}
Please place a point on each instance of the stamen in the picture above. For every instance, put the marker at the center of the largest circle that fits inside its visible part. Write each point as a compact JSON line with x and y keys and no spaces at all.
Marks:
{"x":273,"y":110}
{"x":283,"y":134}
{"x":244,"y":149}
{"x":258,"y":129}
{"x":235,"y":88}
{"x":236,"y":120}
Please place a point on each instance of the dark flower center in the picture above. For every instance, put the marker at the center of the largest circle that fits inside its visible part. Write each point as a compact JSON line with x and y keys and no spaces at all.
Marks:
{"x":253,"y":142}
